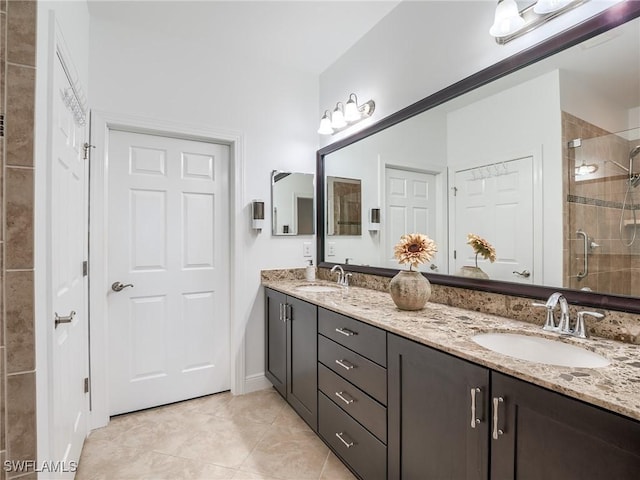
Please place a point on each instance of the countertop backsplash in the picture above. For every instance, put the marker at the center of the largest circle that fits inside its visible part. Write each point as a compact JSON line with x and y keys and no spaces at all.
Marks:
{"x":620,"y":326}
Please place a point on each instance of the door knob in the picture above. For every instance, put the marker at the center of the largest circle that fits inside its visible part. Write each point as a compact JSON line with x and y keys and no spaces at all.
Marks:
{"x":118,"y":286}
{"x":524,"y":273}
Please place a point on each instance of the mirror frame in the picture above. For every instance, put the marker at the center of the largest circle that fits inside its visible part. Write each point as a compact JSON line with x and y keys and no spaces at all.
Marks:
{"x":610,"y":18}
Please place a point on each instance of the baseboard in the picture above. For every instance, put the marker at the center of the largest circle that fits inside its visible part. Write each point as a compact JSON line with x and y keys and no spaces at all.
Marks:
{"x":253,"y":383}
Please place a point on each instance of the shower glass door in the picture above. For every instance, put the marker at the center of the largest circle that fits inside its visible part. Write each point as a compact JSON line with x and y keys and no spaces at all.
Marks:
{"x":602,"y":234}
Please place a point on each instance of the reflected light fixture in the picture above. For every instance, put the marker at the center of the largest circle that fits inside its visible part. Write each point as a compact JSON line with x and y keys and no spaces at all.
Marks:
{"x":345,"y":115}
{"x":585,"y":169}
{"x":510,"y":23}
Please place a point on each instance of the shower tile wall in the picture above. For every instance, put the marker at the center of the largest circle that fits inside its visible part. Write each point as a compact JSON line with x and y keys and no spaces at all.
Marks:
{"x":594,"y":205}
{"x":17,"y":338}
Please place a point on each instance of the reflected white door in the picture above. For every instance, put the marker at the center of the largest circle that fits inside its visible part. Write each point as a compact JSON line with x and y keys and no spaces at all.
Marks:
{"x":410,"y":208}
{"x":168,"y":236}
{"x":496,"y":202}
{"x":68,"y":285}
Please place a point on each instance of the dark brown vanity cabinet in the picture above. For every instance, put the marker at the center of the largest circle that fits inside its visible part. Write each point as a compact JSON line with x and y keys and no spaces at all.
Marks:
{"x":352,"y":397}
{"x":537,"y":433}
{"x":449,"y":418}
{"x":438,"y":422}
{"x":291,"y":352}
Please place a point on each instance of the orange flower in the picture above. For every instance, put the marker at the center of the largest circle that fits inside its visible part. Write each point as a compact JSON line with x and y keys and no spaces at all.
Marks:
{"x":414,"y":249}
{"x":481,"y":247}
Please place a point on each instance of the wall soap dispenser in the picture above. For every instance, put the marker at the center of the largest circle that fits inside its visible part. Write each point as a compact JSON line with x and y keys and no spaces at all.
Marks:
{"x":310,"y":272}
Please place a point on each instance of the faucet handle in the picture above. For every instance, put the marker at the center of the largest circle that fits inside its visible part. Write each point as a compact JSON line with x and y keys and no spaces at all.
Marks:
{"x":550,"y":320}
{"x":345,"y":279}
{"x":581,"y":330}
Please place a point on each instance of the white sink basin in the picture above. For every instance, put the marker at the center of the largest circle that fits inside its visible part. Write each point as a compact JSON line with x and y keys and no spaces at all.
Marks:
{"x":317,"y":288}
{"x":540,"y":350}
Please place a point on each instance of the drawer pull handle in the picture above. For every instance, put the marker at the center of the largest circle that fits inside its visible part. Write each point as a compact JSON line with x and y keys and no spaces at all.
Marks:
{"x":342,"y":397}
{"x":474,"y":420}
{"x":496,"y":431}
{"x":346,"y":332}
{"x":346,"y":444}
{"x":344,"y":364}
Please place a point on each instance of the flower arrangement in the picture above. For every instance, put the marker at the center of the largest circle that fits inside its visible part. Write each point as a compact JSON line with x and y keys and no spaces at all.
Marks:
{"x":414,"y":249}
{"x":481,"y":247}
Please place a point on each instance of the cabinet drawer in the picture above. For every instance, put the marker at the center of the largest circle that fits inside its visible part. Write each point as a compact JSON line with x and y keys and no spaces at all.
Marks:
{"x":364,"y":373}
{"x":355,"y":445}
{"x":354,"y":334}
{"x":354,"y":401}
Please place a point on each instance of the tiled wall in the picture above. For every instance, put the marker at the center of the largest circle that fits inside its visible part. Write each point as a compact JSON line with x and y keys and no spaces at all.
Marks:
{"x":17,"y":339}
{"x":594,"y":204}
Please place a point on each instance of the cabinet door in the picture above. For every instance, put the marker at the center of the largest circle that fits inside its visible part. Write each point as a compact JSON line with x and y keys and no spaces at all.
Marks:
{"x":430,"y":420}
{"x":302,"y":363}
{"x":275,"y":341}
{"x":547,"y":435}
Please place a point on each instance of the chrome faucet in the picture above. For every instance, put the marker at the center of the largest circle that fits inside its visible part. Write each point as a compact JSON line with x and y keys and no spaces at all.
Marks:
{"x":340,"y":273}
{"x":564,"y":325}
{"x":343,"y":278}
{"x":550,"y":321}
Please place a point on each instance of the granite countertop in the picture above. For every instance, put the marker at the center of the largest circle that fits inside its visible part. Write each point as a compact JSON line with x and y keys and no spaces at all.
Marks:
{"x":449,"y":329}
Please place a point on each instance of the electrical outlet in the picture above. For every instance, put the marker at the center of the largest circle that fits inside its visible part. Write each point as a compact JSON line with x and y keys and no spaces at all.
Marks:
{"x":306,"y":249}
{"x":331,"y":249}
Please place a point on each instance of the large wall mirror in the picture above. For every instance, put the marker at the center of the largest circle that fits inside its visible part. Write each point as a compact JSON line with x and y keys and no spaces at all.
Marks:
{"x":292,"y":197}
{"x":533,"y":154}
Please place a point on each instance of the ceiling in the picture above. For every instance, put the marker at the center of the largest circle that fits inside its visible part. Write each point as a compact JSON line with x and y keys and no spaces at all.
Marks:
{"x":303,"y":35}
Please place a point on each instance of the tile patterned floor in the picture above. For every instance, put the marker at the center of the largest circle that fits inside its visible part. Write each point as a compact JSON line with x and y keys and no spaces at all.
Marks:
{"x":253,"y":436}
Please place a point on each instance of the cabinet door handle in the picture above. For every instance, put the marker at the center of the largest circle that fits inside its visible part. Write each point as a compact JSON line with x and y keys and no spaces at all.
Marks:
{"x":346,"y":444}
{"x":282,"y":313}
{"x":287,"y":312}
{"x":344,"y":364}
{"x":474,"y":420}
{"x":346,"y":332}
{"x":496,"y":431}
{"x":342,"y":397}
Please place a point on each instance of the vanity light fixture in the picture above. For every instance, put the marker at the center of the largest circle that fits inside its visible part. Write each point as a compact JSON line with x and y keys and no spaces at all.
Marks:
{"x":257,"y":214}
{"x":509,"y":23}
{"x":345,"y":115}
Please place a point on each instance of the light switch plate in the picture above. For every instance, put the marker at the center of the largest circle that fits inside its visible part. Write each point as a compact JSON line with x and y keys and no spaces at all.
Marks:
{"x":331,"y":249}
{"x":306,"y":249}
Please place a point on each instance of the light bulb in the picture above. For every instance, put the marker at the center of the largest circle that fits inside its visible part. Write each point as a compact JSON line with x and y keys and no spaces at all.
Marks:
{"x":325,"y":124}
{"x":351,"y":112}
{"x":507,"y":19}
{"x":337,"y":119}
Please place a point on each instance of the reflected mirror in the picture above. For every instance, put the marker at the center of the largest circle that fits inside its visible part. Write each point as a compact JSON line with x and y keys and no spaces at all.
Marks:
{"x":292,"y":197}
{"x":540,"y":163}
{"x":344,"y":206}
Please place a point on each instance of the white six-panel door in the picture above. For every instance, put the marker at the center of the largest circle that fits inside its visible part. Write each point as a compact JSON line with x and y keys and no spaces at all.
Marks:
{"x":496,"y":202}
{"x":68,"y":286}
{"x":410,"y":208}
{"x":168,"y":225}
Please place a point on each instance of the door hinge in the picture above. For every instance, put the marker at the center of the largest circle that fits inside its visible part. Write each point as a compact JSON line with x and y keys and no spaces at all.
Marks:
{"x":454,"y":254}
{"x":86,"y":385}
{"x":85,"y":268}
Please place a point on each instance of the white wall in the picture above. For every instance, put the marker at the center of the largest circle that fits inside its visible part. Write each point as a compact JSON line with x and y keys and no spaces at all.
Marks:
{"x":142,"y":70}
{"x":420,"y":48}
{"x":73,"y":20}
